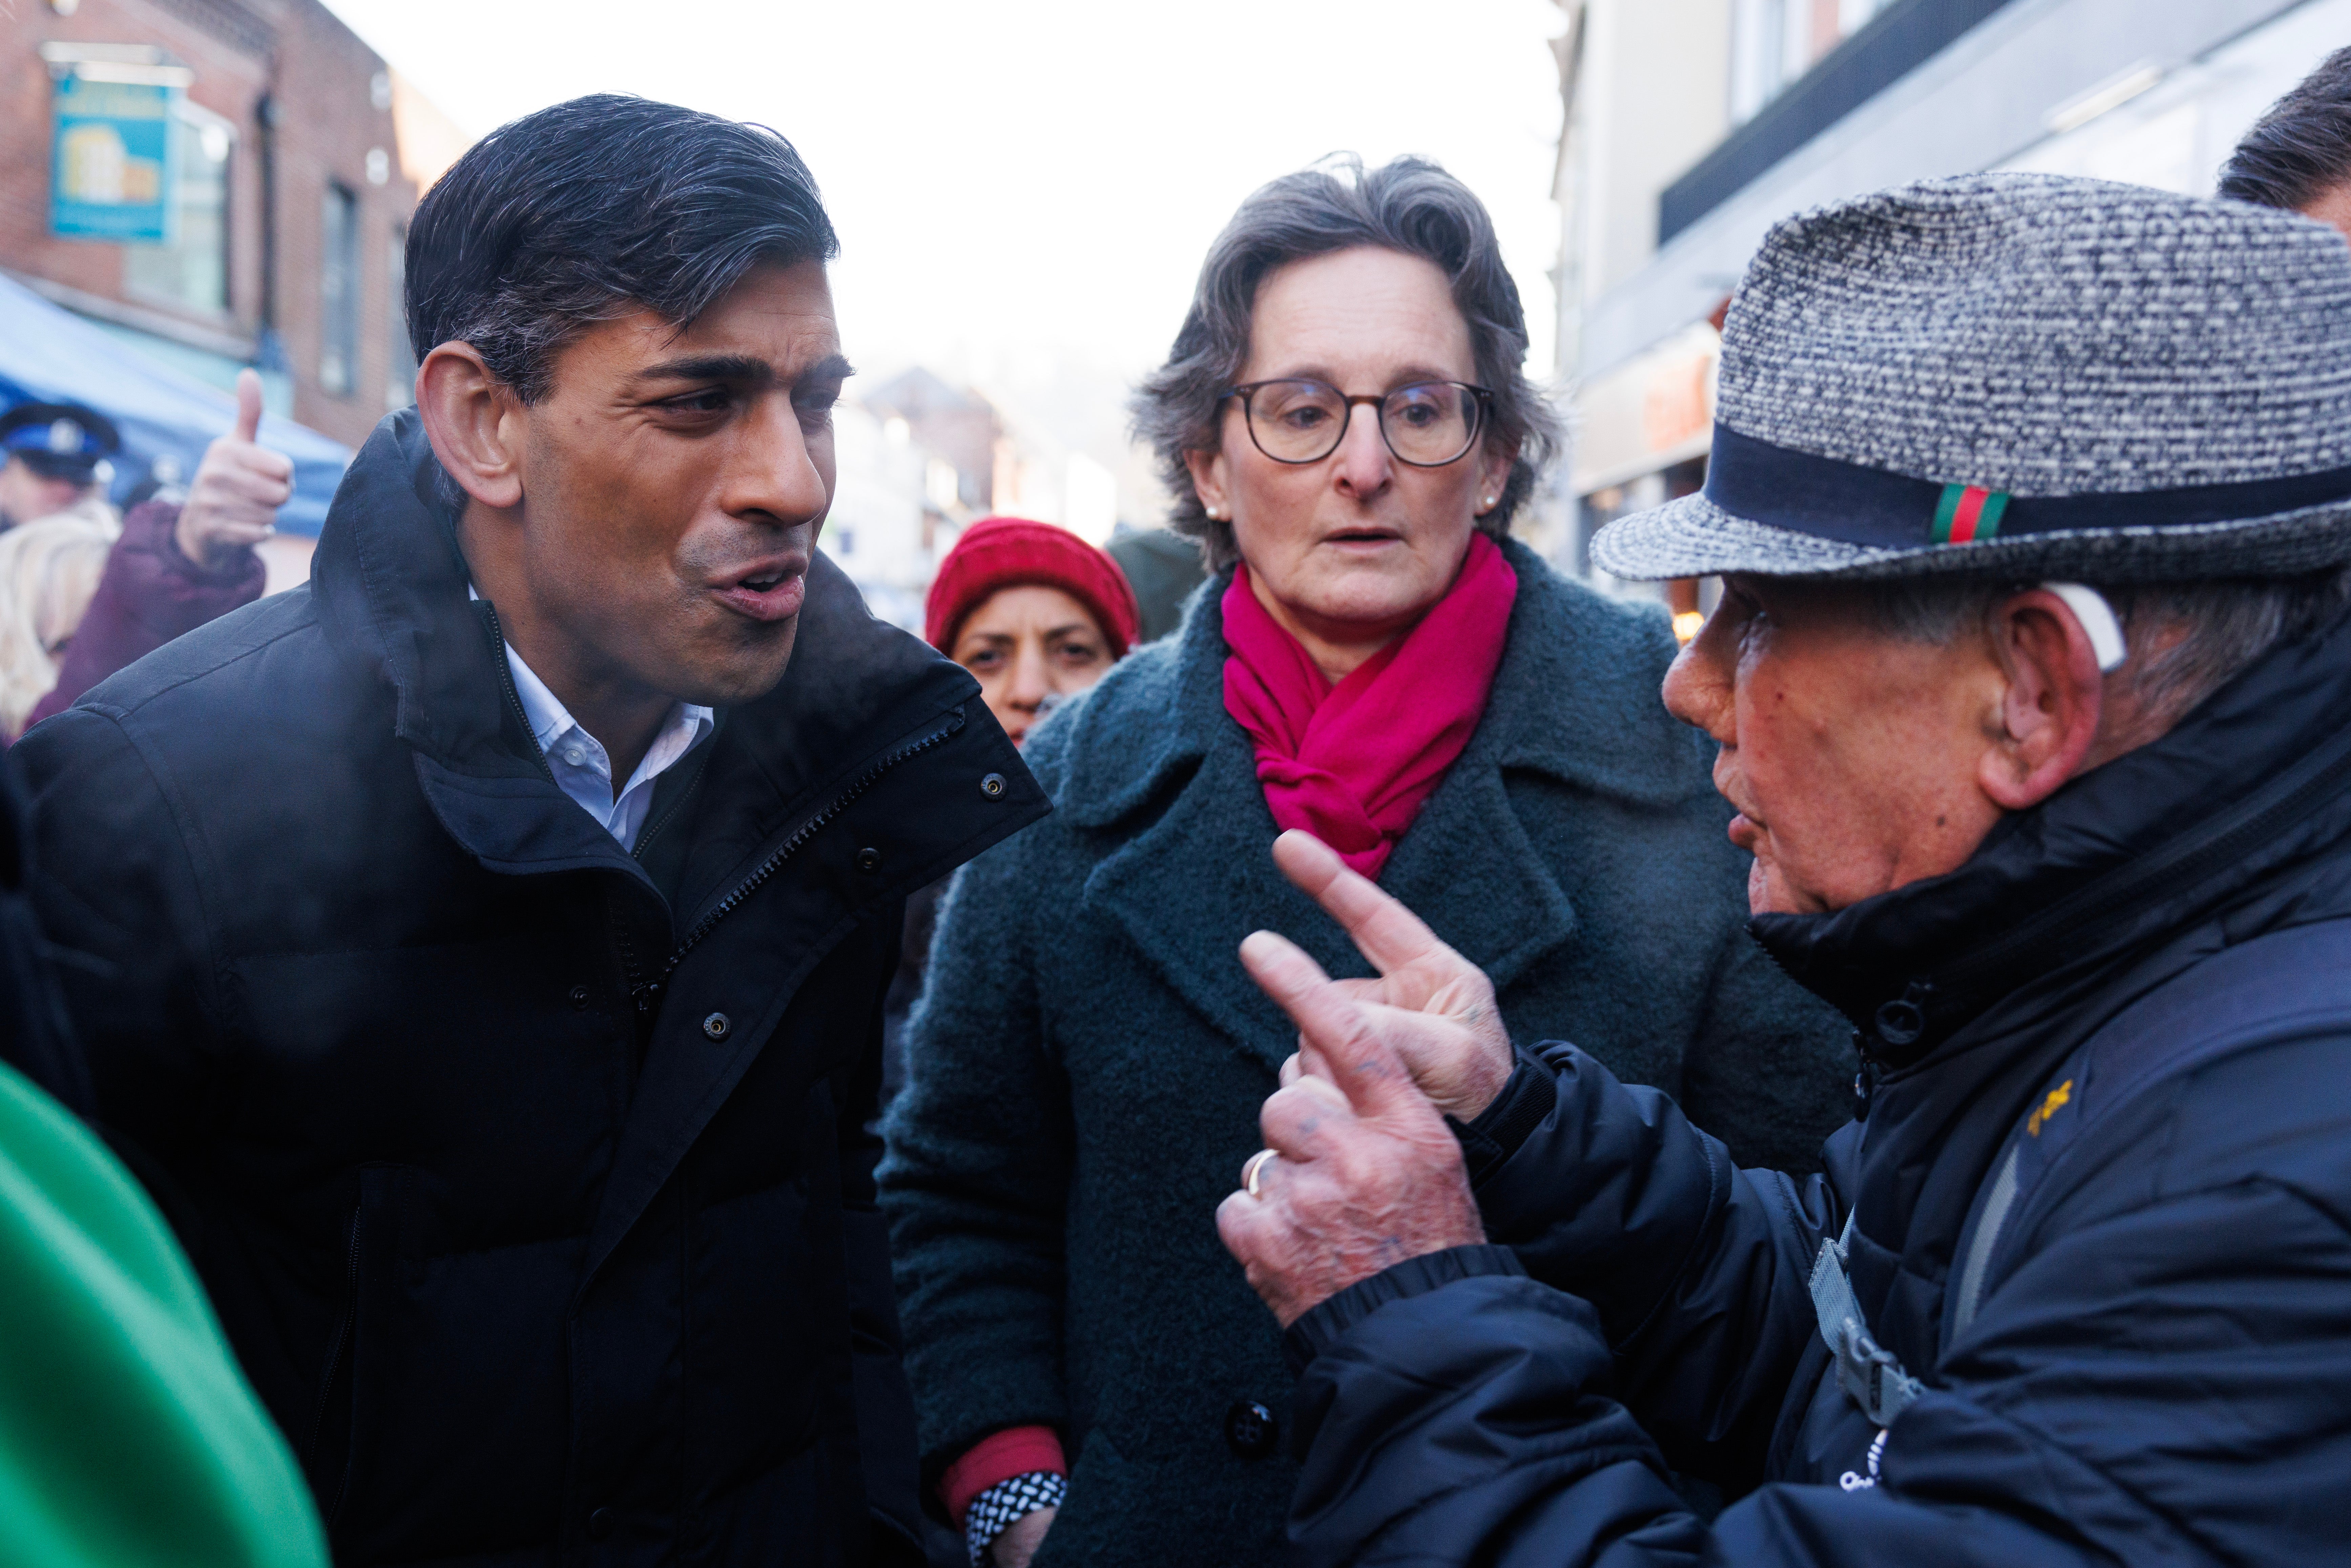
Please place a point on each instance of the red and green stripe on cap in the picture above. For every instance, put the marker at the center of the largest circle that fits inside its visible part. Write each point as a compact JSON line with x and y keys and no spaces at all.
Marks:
{"x":1967,"y":513}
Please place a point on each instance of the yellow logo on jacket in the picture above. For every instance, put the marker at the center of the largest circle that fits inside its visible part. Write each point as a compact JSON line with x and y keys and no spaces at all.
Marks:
{"x":2058,"y":1097}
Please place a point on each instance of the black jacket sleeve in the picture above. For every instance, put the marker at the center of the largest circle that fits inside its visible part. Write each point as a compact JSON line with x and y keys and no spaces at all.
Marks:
{"x":116,"y":885}
{"x":2158,"y":1377}
{"x":1697,"y":1271}
{"x":35,"y":1036}
{"x":1444,"y":1425}
{"x":1472,"y":1423}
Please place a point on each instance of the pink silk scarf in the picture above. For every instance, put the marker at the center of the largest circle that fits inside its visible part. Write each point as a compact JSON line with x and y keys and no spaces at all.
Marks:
{"x":1353,"y":763}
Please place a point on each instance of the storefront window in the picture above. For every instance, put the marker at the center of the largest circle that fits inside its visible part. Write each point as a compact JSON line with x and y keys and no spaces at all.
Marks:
{"x":339,"y":289}
{"x":1773,"y":42}
{"x":400,"y":358}
{"x":1689,"y":600}
{"x":190,"y":270}
{"x":1598,"y":508}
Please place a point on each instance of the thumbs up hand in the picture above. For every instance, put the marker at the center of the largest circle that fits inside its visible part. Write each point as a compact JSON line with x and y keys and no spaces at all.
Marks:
{"x":1360,"y":1171}
{"x":233,"y":498}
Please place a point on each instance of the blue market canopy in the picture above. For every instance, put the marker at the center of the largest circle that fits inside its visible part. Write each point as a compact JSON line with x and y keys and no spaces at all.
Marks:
{"x":49,"y":354}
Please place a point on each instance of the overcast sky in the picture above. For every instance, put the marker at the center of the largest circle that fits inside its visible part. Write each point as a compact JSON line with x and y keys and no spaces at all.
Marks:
{"x":1024,"y":188}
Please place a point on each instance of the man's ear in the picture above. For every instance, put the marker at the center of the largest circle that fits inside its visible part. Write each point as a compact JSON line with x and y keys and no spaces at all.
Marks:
{"x":1209,"y":481}
{"x":474,"y":423}
{"x":2053,"y":701}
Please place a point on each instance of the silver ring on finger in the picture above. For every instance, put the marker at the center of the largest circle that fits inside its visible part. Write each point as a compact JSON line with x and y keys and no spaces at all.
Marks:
{"x":1256,"y":1167}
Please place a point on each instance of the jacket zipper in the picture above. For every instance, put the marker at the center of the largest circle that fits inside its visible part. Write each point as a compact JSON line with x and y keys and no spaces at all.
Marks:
{"x":676,"y":804}
{"x":629,"y":974}
{"x":514,"y":698}
{"x":648,"y":991}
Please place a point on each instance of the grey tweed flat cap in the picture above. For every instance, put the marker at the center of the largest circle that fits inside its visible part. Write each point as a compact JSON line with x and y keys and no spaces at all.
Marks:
{"x":2029,"y":376}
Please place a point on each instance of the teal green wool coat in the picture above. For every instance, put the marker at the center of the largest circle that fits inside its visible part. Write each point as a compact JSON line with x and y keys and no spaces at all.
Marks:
{"x":1088,"y":1061}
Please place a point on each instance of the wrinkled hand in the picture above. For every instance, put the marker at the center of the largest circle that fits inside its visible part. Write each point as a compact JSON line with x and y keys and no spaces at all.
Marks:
{"x":233,"y":499}
{"x":1368,"y":1174}
{"x":1434,"y":1006}
{"x":1021,"y":1539}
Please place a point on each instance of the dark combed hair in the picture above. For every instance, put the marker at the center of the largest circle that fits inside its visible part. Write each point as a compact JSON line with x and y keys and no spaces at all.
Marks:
{"x":1410,"y":205}
{"x":591,"y":209}
{"x":2301,"y":148}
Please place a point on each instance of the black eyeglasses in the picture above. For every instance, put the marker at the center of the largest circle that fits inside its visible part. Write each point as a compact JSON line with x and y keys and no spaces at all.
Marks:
{"x":1426,"y":424}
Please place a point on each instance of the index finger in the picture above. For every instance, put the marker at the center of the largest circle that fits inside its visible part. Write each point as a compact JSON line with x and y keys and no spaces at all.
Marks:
{"x":1357,"y":1058}
{"x":1387,"y":932}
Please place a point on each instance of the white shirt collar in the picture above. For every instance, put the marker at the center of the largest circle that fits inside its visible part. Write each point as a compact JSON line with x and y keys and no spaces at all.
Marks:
{"x":583,"y":769}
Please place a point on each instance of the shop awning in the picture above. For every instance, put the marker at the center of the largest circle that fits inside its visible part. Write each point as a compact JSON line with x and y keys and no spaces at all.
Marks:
{"x":49,"y":354}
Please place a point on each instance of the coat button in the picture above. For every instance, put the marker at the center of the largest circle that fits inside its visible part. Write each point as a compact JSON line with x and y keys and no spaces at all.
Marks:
{"x":868,"y":861}
{"x":715,"y":1026}
{"x":992,"y":786}
{"x":1248,"y":1429}
{"x":579,"y":996}
{"x":600,"y":1524}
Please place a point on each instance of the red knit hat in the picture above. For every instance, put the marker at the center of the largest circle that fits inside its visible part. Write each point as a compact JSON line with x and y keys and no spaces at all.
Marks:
{"x":1000,"y":552}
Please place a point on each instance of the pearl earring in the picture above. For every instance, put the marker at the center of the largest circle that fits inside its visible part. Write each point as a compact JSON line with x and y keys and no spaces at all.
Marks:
{"x":1490,"y":503}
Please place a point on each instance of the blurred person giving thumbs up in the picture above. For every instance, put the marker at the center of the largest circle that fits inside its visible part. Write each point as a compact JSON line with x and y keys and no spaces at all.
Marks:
{"x":182,"y":560}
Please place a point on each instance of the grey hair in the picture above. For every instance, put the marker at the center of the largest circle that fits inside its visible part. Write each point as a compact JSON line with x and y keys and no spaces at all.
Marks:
{"x":2217,"y":628}
{"x":1411,"y":206}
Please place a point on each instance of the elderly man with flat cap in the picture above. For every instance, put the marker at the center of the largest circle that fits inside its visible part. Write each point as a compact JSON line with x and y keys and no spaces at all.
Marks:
{"x":2032,"y":682}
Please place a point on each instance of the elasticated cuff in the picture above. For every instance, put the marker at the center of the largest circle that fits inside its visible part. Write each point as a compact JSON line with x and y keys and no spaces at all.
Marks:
{"x":1316,"y":1331}
{"x":1527,"y":1097}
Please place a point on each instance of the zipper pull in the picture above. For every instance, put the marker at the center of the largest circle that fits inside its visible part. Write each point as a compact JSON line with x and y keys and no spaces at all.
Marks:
{"x":647,"y":994}
{"x":1865,"y":1079}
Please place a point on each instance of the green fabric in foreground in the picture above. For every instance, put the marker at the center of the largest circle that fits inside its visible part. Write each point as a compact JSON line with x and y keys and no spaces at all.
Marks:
{"x":128,"y":1435}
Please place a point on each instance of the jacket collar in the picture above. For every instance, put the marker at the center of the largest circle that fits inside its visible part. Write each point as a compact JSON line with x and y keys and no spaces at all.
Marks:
{"x":2257,"y":777}
{"x":391,"y":585}
{"x":1556,"y":709}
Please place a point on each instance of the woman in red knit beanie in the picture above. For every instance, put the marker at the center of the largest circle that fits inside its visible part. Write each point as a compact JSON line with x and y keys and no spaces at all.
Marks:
{"x":1039,"y":615}
{"x":1033,"y":611}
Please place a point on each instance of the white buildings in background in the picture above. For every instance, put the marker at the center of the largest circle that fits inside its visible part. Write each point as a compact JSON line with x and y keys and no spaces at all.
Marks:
{"x":1692,"y":125}
{"x":1036,"y":478}
{"x":918,"y":458}
{"x":876,"y":532}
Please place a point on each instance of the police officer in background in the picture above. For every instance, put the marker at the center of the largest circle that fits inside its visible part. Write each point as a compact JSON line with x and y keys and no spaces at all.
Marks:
{"x":58,"y":459}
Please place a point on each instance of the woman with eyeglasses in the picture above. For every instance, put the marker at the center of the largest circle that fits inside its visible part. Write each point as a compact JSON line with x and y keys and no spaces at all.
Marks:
{"x":1347,"y":424}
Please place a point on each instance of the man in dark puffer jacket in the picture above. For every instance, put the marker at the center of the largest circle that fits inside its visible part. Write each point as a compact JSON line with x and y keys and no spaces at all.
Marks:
{"x":482,"y":948}
{"x":2075,"y":860}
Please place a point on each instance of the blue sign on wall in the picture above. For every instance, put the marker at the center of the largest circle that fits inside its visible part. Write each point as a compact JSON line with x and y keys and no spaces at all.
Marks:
{"x":112,"y":172}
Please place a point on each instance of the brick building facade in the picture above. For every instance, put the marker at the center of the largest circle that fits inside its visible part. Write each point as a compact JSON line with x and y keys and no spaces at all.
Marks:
{"x":294,"y":194}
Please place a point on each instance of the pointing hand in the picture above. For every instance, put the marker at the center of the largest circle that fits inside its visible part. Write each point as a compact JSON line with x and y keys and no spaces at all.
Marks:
{"x":1361,"y":1172}
{"x":1434,"y":1008}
